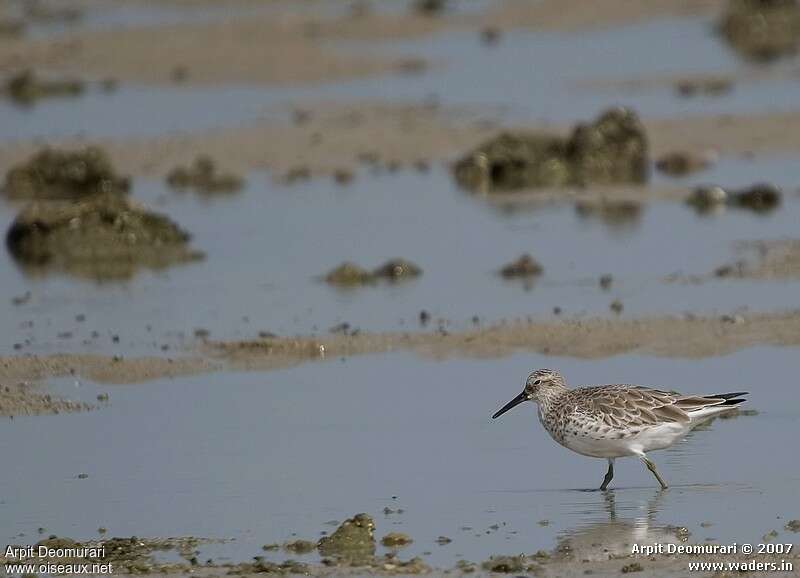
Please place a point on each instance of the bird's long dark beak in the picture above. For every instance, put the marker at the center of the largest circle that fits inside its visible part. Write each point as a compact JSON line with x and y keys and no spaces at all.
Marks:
{"x":513,"y":403}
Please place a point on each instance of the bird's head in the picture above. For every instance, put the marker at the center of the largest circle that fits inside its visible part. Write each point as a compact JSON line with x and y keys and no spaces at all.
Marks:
{"x":538,"y":382}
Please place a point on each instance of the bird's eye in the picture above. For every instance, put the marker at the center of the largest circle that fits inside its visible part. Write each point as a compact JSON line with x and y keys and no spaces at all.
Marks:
{"x":537,"y":382}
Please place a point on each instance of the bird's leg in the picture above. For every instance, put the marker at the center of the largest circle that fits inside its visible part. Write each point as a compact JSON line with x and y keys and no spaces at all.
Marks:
{"x":652,"y":467}
{"x":609,"y":474}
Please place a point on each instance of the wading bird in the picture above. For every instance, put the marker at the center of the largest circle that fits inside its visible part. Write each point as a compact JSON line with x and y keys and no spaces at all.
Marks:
{"x":614,"y":421}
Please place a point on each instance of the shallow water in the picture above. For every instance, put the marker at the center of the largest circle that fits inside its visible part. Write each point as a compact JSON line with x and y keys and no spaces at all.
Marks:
{"x":258,"y":457}
{"x":263,"y":273}
{"x":543,"y":77}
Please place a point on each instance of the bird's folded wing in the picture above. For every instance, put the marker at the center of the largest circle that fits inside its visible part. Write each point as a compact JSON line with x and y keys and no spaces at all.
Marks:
{"x":628,"y":406}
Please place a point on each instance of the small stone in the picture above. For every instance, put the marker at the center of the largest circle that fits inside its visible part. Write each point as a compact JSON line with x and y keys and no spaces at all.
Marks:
{"x":682,"y":533}
{"x":678,"y":164}
{"x":506,"y":564}
{"x":525,"y":266}
{"x":396,"y":540}
{"x":616,"y":306}
{"x":27,"y":87}
{"x":300,"y":546}
{"x":397,"y":269}
{"x":301,"y":116}
{"x":490,"y":35}
{"x":179,"y":74}
{"x":632,"y":567}
{"x":300,"y":173}
{"x":759,"y":198}
{"x":706,"y":198}
{"x":204,"y":177}
{"x":343,"y":328}
{"x":793,"y":525}
{"x":703,"y":86}
{"x":466,"y":567}
{"x":343,"y":176}
{"x":733,"y":319}
{"x":430,"y":7}
{"x":21,"y":299}
{"x":443,"y":540}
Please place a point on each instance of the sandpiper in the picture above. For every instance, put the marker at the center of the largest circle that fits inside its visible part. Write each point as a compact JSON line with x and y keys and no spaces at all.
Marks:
{"x":614,"y":421}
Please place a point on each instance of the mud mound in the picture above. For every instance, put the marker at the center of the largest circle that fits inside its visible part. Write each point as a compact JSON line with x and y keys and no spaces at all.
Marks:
{"x":102,"y":237}
{"x":762,"y":30}
{"x":64,"y":174}
{"x":612,"y":149}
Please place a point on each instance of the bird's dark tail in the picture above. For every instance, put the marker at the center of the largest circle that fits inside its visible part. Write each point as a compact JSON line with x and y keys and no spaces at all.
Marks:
{"x":730,"y":398}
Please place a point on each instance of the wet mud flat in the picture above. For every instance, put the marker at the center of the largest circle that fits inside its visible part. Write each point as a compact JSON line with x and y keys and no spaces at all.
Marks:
{"x":254,"y":396}
{"x":689,"y":336}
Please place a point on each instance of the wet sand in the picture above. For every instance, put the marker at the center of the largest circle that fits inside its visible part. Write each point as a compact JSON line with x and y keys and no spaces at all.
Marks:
{"x":687,"y":337}
{"x":332,"y":136}
{"x":775,"y":259}
{"x":23,"y":398}
{"x":292,"y":49}
{"x":295,"y":48}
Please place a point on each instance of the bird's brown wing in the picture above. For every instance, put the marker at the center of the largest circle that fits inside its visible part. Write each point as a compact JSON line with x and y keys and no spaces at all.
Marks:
{"x":623,"y":406}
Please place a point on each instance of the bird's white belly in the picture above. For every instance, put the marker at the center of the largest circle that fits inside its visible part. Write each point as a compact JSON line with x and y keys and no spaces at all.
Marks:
{"x":654,"y":438}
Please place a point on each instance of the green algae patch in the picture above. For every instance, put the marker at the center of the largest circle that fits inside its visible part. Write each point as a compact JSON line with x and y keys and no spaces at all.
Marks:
{"x":612,"y":149}
{"x":64,"y":174}
{"x":26,"y":88}
{"x":396,"y":270}
{"x":349,"y":274}
{"x":102,"y":237}
{"x":762,"y":30}
{"x":353,"y":542}
{"x":204,"y":177}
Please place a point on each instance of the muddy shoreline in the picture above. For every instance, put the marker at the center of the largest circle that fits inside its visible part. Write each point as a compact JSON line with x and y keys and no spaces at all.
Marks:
{"x":679,"y":337}
{"x":571,"y":558}
{"x":333,"y":136}
{"x":300,"y":46}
